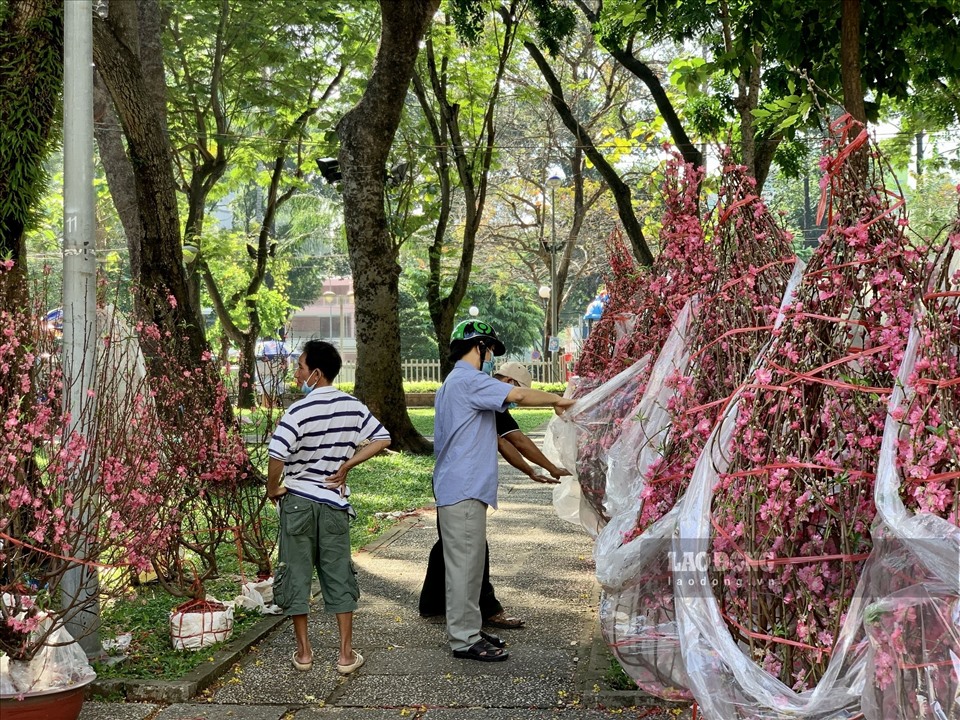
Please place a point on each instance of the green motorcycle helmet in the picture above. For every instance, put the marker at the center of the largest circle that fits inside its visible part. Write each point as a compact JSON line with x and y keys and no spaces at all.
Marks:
{"x":478,"y":330}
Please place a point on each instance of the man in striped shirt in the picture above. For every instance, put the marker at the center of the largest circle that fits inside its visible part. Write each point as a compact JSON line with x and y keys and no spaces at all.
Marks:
{"x":319,"y":439}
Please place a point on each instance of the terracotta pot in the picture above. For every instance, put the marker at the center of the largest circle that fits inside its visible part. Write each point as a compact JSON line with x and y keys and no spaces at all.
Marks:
{"x":49,"y":705}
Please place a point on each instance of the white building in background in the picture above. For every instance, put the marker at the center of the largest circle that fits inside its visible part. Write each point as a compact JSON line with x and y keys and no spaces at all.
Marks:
{"x":330,"y":317}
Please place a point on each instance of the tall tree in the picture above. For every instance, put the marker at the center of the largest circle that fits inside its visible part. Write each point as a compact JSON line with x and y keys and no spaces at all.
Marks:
{"x":366,"y":134}
{"x":128,"y":56}
{"x":621,"y":191}
{"x":31,"y":80}
{"x":247,"y":98}
{"x":621,"y":42}
{"x":520,"y":228}
{"x":459,"y":100}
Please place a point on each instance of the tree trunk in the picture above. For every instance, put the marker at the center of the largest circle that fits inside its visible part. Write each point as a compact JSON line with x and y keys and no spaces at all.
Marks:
{"x":246,"y":370}
{"x":162,"y":296}
{"x":119,"y":171}
{"x":850,"y":60}
{"x":850,"y":77}
{"x":31,"y":79}
{"x":766,"y":148}
{"x":748,"y":97}
{"x":366,"y":133}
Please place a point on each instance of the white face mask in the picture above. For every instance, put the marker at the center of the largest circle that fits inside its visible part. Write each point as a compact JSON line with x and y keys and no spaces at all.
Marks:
{"x":486,"y":366}
{"x":305,"y":387}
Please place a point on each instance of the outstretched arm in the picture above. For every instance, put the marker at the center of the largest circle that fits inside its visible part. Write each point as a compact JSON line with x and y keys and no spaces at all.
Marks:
{"x":528,"y":448}
{"x":528,"y":397}
{"x":512,"y":455}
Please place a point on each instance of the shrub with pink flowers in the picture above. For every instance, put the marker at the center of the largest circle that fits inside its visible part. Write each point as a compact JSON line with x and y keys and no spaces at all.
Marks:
{"x":712,"y":346}
{"x":913,"y":624}
{"x":793,"y":510}
{"x":752,"y":260}
{"x":107,"y":491}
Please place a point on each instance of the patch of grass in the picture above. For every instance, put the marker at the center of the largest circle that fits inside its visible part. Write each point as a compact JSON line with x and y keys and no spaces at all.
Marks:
{"x":529,"y":419}
{"x":145,"y":615}
{"x":422,"y":419}
{"x":616,"y":677}
{"x":387,"y":483}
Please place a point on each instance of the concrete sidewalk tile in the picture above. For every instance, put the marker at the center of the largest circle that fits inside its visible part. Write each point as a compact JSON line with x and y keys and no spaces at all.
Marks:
{"x":542,"y":569}
{"x":93,"y":710}
{"x":278,"y":682}
{"x":203,"y":711}
{"x":496,"y":687}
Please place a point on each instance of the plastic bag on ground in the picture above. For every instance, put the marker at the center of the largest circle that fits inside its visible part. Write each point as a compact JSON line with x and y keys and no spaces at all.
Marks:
{"x":258,"y":596}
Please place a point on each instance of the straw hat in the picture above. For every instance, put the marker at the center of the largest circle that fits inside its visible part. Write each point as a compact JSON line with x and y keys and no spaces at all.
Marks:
{"x":515,"y":371}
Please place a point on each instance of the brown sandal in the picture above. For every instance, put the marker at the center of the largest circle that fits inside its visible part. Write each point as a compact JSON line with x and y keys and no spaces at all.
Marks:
{"x":503,"y":621}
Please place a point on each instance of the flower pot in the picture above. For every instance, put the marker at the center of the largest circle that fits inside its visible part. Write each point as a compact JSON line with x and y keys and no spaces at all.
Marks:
{"x":49,"y":705}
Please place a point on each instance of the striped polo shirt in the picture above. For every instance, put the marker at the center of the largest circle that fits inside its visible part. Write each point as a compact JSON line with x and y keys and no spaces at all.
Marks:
{"x":316,"y":435}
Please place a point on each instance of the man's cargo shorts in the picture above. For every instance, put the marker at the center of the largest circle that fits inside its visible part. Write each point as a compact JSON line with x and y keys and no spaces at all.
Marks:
{"x":314,"y":535}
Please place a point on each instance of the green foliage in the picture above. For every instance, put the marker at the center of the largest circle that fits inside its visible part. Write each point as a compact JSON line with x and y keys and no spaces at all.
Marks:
{"x":785,"y":113}
{"x":690,"y":74}
{"x":555,"y":23}
{"x":792,"y":157}
{"x":467,"y":16}
{"x":616,"y":677}
{"x":706,"y":114}
{"x":512,"y":310}
{"x":31,"y":79}
{"x":312,"y":242}
{"x":145,"y":614}
{"x":417,"y":339}
{"x":251,"y":86}
{"x":932,"y":204}
{"x":227,"y":259}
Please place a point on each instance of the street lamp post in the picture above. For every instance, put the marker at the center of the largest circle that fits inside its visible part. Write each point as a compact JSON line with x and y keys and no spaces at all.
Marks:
{"x":554,"y":180}
{"x":544,"y":292}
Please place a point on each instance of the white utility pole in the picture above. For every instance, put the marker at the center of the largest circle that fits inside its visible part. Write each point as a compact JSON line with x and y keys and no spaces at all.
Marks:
{"x":79,"y":283}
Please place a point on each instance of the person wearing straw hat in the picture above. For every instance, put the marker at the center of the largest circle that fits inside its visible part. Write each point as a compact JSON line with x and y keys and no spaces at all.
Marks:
{"x":515,"y":447}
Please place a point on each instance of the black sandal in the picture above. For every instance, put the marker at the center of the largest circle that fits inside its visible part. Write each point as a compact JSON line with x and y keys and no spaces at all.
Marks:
{"x":493,"y":639}
{"x":482,"y":651}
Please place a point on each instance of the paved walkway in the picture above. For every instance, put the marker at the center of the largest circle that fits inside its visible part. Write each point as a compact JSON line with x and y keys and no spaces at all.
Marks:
{"x":542,"y":569}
